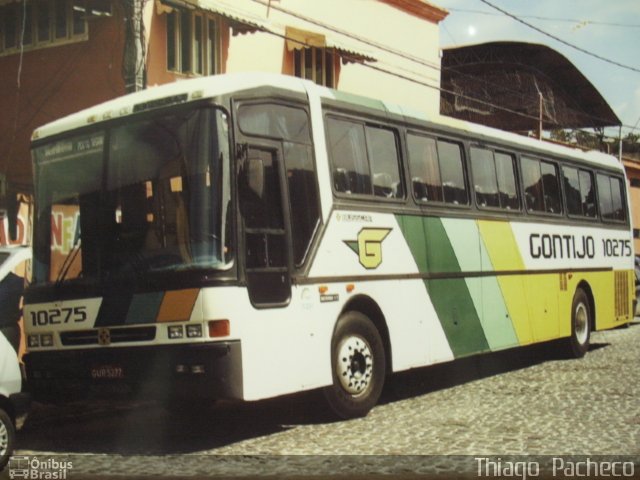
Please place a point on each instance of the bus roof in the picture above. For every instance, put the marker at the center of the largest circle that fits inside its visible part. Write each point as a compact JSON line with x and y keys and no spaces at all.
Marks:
{"x":206,"y":87}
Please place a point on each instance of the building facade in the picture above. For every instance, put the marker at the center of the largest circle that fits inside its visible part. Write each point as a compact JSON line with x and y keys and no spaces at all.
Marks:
{"x":60,"y":56}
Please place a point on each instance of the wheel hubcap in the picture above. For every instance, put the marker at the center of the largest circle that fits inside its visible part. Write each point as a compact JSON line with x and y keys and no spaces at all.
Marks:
{"x":581,"y":325}
{"x":4,"y":439}
{"x":355,"y":365}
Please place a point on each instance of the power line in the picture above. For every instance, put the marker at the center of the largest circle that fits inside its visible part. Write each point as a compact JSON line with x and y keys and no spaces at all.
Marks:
{"x":351,"y":35}
{"x":551,"y":19}
{"x":395,"y":52}
{"x":429,"y":85}
{"x":558,"y":39}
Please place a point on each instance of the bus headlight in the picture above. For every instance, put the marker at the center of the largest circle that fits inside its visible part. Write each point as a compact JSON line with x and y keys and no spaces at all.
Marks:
{"x":194,"y":331}
{"x":175,"y":332}
{"x":42,"y":340}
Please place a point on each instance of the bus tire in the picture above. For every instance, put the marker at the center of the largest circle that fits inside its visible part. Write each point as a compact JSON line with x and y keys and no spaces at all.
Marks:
{"x":7,"y":438}
{"x":358,"y":367}
{"x":578,"y":342}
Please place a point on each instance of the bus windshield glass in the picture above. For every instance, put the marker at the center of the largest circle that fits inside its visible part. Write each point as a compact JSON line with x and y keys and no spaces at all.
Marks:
{"x":145,"y":197}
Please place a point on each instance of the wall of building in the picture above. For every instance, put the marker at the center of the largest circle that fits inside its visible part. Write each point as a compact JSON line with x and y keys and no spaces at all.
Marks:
{"x":370,"y":25}
{"x":63,"y":79}
{"x":398,"y":31}
{"x":54,"y":82}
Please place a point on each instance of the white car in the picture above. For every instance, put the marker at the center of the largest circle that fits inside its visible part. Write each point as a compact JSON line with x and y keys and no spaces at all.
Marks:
{"x":12,"y":400}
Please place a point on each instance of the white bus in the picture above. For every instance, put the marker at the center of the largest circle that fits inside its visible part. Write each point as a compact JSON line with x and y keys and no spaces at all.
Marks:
{"x":248,"y":236}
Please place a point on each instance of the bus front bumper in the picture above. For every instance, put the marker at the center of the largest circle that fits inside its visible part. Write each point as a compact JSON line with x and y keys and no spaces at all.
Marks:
{"x":203,"y":371}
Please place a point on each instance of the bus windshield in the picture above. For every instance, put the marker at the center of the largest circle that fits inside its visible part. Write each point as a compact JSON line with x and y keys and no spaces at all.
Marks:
{"x":142,"y":197}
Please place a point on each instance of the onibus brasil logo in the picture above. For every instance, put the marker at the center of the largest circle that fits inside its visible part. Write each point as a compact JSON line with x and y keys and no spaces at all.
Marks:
{"x":34,"y":468}
{"x":368,"y":246}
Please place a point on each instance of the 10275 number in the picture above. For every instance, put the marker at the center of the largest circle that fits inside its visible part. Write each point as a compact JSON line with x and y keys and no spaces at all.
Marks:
{"x":58,"y":316}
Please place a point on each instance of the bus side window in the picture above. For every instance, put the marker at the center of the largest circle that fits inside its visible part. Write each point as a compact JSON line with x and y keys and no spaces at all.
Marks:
{"x":507,"y":186}
{"x":303,"y":197}
{"x":437,"y":170}
{"x":348,"y":153}
{"x":588,"y":194}
{"x":572,"y":190}
{"x":424,"y":167}
{"x":611,"y":196}
{"x":484,"y":177}
{"x":452,"y":169}
{"x":541,"y":186}
{"x":532,"y":180}
{"x":552,"y":201}
{"x":579,"y":192}
{"x":383,"y":154}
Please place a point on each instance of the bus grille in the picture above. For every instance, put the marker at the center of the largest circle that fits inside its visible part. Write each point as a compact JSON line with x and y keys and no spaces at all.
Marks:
{"x":117,"y":335}
{"x":621,"y":288}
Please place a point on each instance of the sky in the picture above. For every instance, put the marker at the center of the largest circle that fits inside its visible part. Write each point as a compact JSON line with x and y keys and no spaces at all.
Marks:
{"x":609,"y":29}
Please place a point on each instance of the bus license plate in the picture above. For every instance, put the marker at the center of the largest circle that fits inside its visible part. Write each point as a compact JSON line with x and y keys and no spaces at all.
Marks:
{"x":107,"y":372}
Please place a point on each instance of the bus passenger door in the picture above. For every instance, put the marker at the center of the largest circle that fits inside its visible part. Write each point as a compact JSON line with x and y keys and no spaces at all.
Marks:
{"x":265,"y":239}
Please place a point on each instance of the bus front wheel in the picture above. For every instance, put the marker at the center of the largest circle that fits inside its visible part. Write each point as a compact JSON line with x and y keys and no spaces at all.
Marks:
{"x":358,"y":365}
{"x":578,"y":342}
{"x":7,"y":438}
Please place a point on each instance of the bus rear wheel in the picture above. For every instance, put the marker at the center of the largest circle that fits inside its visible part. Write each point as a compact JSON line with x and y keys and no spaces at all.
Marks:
{"x":358,"y":365}
{"x":578,"y":342}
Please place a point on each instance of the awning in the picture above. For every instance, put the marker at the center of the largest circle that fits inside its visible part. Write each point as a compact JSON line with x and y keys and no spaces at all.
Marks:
{"x":239,"y":21}
{"x":245,"y":16}
{"x":298,"y":39}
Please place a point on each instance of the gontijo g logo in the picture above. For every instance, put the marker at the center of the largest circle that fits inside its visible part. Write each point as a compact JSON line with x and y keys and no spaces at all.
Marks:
{"x":368,"y":246}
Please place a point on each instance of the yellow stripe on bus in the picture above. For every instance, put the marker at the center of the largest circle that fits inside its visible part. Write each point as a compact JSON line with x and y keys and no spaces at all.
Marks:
{"x":505,"y":256}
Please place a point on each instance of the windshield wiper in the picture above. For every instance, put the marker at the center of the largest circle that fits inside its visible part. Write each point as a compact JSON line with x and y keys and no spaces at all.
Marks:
{"x":68,"y":261}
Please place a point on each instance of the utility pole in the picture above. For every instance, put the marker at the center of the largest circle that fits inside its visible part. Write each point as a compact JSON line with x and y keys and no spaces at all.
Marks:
{"x":540,"y":113}
{"x":133,"y":63}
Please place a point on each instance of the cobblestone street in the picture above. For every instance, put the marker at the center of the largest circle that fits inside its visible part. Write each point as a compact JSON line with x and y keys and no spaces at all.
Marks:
{"x":527,"y":401}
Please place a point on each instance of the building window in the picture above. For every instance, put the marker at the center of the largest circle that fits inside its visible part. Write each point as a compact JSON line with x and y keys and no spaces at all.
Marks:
{"x":316,"y":64}
{"x":46,"y":23}
{"x":193,"y":43}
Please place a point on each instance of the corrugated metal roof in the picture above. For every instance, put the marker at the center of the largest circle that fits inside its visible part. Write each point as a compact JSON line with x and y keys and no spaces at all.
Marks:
{"x":478,"y":79}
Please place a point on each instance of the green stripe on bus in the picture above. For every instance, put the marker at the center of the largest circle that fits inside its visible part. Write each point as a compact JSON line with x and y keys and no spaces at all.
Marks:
{"x":433,"y":253}
{"x":485,"y":291}
{"x":144,"y":308}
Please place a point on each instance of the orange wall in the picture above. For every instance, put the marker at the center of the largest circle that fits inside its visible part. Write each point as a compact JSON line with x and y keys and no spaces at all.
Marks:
{"x":633,"y":173}
{"x":157,"y":73}
{"x":55,"y":82}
